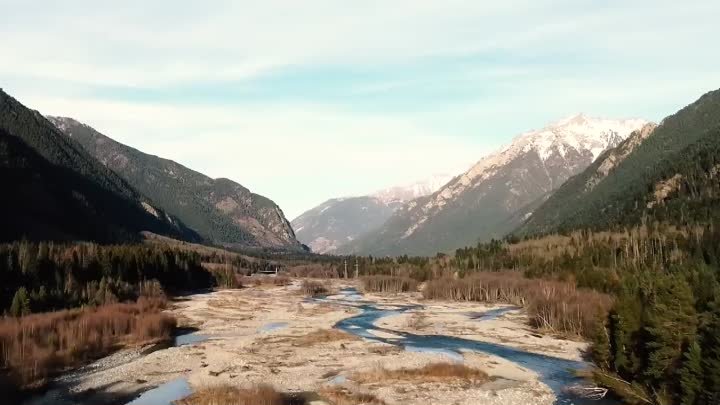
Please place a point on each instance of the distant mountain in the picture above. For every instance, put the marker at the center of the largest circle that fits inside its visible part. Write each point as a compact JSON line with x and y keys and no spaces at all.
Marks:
{"x":669,"y":174}
{"x":220,"y":210}
{"x":338,"y":221}
{"x":412,"y":191}
{"x":54,"y":190}
{"x":483,"y":202}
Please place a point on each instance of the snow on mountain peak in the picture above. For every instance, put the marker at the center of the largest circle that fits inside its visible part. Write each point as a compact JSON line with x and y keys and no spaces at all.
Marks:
{"x":578,"y":132}
{"x":412,"y":191}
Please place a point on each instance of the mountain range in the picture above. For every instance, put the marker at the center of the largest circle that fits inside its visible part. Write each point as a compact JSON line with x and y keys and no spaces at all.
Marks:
{"x":54,"y":190}
{"x":63,"y":180}
{"x":483,"y":202}
{"x":339,"y":221}
{"x":221,"y":211}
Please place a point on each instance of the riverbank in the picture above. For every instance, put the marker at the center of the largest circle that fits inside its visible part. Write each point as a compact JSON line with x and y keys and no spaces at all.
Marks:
{"x":276,"y":336}
{"x":501,"y":324}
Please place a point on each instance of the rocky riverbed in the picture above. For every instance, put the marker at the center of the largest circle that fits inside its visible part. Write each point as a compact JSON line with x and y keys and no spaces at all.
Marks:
{"x":276,"y":336}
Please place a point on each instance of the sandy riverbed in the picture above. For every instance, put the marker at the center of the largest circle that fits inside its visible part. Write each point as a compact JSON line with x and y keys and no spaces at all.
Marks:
{"x":256,"y":336}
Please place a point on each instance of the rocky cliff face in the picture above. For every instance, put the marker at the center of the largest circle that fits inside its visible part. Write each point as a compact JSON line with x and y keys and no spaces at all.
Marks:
{"x":220,"y":210}
{"x":480,"y":204}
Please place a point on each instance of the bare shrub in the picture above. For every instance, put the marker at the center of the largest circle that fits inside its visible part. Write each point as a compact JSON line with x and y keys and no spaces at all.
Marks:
{"x":388,"y":284}
{"x":564,"y":309}
{"x":482,"y":287}
{"x":37,"y":346}
{"x":314,"y":270}
{"x":343,"y":396}
{"x":552,"y":305}
{"x":281,"y":280}
{"x":222,"y":395}
{"x":435,"y":372}
{"x":313,"y":288}
{"x":271,"y":281}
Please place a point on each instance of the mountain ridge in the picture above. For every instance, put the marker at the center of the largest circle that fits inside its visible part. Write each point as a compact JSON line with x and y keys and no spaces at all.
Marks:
{"x":478,"y":204}
{"x":56,"y":190}
{"x":220,"y":210}
{"x":652,"y":164}
{"x":337,"y":221}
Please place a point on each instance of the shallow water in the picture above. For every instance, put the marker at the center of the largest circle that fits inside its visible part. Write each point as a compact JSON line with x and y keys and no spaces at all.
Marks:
{"x":557,"y":373}
{"x":190,"y":339}
{"x":272,"y":326}
{"x":164,"y":394}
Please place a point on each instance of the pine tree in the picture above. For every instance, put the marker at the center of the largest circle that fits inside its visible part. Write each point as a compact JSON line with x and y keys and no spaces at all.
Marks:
{"x":691,"y":375}
{"x":601,"y":346}
{"x":711,"y":361}
{"x":21,"y":303}
{"x":671,"y":322}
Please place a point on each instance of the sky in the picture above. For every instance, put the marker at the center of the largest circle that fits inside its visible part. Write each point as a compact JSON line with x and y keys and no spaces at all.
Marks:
{"x":302,"y":101}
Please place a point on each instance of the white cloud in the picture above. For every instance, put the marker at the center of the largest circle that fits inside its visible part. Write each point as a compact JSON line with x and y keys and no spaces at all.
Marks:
{"x":154,"y":44}
{"x":529,"y":62}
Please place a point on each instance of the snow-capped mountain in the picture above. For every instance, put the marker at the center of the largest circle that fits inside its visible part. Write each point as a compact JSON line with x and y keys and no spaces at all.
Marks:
{"x":338,"y":221}
{"x":413,"y":191}
{"x":479,"y":204}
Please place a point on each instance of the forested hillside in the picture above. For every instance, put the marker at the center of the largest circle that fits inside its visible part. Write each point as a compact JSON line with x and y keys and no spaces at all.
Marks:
{"x":220,"y":210}
{"x":671,"y":175}
{"x":658,"y":344}
{"x":52,"y":189}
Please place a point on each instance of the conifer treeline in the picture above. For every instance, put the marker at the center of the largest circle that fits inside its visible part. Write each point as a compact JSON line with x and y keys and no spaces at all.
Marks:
{"x":660,"y":342}
{"x":657,"y":343}
{"x":39,"y":277}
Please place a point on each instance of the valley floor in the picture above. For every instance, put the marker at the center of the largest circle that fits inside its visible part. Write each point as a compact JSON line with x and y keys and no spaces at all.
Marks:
{"x":276,"y":336}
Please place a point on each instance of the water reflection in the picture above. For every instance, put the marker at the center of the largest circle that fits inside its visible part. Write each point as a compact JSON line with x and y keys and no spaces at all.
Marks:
{"x":557,"y":373}
{"x":165,"y":394}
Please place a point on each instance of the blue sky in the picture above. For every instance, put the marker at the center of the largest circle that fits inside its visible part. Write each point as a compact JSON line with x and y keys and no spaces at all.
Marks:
{"x":304,"y":101}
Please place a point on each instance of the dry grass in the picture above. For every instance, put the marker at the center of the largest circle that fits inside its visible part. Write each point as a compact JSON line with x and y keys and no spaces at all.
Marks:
{"x":342,"y":396}
{"x":314,"y":288}
{"x":224,"y":395}
{"x":388,"y":284}
{"x":35,"y":347}
{"x":266,"y":281}
{"x":324,"y":336}
{"x":435,"y":372}
{"x":555,"y":306}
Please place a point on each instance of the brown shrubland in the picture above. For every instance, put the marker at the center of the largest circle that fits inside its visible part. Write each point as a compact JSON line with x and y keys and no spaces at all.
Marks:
{"x":224,"y":395}
{"x":434,"y":372}
{"x":388,"y":284}
{"x":263,"y":280}
{"x":314,"y":288}
{"x":555,"y":306}
{"x":35,"y":347}
{"x":343,"y":396}
{"x":314,"y":270}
